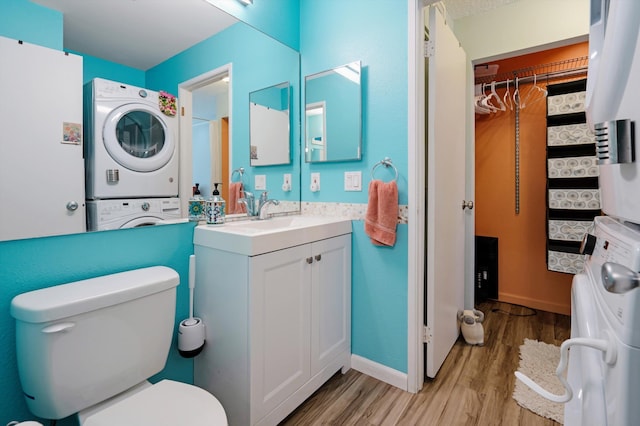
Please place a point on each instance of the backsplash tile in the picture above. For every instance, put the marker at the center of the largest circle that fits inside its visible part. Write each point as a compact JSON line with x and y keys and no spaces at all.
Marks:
{"x":353,"y":211}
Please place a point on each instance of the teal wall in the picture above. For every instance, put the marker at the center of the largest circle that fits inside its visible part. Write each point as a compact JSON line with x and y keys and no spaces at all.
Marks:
{"x":277,"y":18}
{"x":334,"y":33}
{"x":274,"y":97}
{"x":93,"y":67}
{"x":26,"y":21}
{"x":43,"y":262}
{"x":247,"y":50}
{"x":31,"y":264}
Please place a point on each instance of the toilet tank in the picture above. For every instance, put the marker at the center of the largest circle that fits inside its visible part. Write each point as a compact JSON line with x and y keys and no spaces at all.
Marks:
{"x":81,"y":343}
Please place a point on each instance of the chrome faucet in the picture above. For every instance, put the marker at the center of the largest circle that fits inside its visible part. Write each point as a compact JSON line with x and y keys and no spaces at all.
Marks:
{"x":249,"y":201}
{"x":264,"y":202}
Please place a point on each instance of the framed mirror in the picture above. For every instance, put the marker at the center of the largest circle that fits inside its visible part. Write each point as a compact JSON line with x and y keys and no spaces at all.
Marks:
{"x":270,"y":126}
{"x":333,"y":114}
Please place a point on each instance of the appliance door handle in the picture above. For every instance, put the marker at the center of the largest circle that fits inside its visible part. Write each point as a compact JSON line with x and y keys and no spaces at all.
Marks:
{"x":607,"y":346}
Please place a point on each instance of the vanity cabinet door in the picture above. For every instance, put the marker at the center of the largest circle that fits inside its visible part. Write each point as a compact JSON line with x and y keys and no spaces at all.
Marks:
{"x":280,"y":322}
{"x":330,"y":300}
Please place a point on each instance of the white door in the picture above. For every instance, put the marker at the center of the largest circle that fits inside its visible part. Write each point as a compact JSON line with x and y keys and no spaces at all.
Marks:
{"x":41,"y":142}
{"x":445,"y":132}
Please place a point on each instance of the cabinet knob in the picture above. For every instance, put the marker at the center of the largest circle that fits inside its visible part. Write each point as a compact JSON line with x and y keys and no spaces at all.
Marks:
{"x":309,"y":260}
{"x":318,"y":257}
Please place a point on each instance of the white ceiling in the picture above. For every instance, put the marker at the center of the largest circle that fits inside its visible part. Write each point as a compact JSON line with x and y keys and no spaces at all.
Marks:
{"x":137,"y":33}
{"x":461,"y":8}
{"x":144,"y":33}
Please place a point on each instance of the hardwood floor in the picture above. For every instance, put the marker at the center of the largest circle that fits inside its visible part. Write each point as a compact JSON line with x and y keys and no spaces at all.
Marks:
{"x":473,"y":386}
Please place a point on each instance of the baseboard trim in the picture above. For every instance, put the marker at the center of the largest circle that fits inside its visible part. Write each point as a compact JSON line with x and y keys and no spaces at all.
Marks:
{"x":557,"y":308}
{"x":379,"y":371}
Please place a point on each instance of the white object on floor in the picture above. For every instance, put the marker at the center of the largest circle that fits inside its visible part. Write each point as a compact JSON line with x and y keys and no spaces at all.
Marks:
{"x":471,"y":326}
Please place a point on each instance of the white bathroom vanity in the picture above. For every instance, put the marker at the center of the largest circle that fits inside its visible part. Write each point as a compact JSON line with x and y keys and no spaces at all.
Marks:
{"x":275,"y":297}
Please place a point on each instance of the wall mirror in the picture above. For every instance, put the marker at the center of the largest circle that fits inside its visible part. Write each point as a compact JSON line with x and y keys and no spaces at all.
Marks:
{"x":333,"y":114}
{"x":222,"y":125}
{"x":270,"y":129}
{"x":256,"y":47}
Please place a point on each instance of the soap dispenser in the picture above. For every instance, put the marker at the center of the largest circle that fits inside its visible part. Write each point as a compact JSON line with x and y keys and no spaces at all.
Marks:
{"x":196,"y":205}
{"x":215,"y":208}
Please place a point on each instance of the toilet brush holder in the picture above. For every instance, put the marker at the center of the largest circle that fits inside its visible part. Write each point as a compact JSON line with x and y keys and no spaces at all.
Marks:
{"x":191,"y":337}
{"x":191,"y":332}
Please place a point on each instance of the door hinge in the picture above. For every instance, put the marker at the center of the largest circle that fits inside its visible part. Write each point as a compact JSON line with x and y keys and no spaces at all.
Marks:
{"x":429,"y":48}
{"x":426,"y":334}
{"x":182,"y":111}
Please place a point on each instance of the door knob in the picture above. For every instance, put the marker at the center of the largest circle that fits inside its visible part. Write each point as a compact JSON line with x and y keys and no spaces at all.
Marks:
{"x":72,"y":206}
{"x":467,"y":205}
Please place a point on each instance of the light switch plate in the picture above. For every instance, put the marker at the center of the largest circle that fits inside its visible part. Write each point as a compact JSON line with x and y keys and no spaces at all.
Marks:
{"x":261,"y":182}
{"x":353,"y":181}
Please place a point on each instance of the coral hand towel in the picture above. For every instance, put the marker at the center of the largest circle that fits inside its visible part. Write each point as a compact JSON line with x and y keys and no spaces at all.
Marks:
{"x":382,"y":213}
{"x":236,"y":191}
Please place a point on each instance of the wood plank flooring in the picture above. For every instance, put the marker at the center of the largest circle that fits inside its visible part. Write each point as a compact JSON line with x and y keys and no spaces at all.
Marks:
{"x":473,"y":387}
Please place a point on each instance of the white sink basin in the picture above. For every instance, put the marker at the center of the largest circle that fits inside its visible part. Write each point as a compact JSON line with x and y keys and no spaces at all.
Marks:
{"x":253,"y":237}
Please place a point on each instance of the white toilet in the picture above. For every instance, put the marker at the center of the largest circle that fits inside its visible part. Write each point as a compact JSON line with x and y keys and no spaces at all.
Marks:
{"x":88,"y":347}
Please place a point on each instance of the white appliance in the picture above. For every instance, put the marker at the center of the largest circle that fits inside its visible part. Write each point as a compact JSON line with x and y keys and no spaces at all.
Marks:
{"x":131,"y":146}
{"x":88,"y":347}
{"x":103,"y":215}
{"x":613,"y":103}
{"x":603,"y":365}
{"x":605,"y":383}
{"x":603,"y":378}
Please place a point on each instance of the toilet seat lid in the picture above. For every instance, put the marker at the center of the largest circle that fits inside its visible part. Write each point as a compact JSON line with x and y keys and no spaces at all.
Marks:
{"x":165,"y":403}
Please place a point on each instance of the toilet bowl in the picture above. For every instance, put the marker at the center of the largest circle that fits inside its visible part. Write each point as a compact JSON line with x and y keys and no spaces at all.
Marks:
{"x":89,"y":347}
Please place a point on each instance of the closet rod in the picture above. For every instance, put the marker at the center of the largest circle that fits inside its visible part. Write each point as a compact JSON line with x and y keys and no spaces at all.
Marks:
{"x":544,"y":76}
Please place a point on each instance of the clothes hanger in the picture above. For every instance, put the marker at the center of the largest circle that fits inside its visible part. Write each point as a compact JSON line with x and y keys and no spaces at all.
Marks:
{"x":501,"y":105}
{"x":533,"y":90}
{"x":508,"y":102}
{"x":486,"y":101}
{"x":516,"y":94}
{"x":477,"y":103}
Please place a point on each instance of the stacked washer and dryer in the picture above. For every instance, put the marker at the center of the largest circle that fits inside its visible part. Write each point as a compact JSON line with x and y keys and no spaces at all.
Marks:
{"x":601,"y":360}
{"x":131,"y":157}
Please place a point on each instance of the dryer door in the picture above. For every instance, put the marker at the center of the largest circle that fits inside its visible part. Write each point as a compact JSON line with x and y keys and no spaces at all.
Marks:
{"x":137,"y":137}
{"x":140,"y":222}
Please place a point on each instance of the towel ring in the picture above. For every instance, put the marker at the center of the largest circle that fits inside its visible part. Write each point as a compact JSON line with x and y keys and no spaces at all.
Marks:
{"x":240,"y":172}
{"x":386,"y":163}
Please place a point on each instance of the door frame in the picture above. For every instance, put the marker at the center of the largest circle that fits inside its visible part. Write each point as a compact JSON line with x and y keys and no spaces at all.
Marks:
{"x":416,"y":196}
{"x":185,"y":99}
{"x":417,"y":192}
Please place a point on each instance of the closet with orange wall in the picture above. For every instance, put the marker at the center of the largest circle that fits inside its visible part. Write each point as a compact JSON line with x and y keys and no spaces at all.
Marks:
{"x":522,"y":270}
